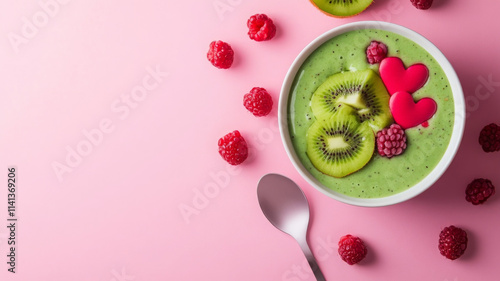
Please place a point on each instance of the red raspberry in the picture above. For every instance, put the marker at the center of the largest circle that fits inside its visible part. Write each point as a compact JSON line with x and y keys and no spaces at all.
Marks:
{"x":452,"y":242}
{"x":233,"y":148}
{"x":422,"y":4}
{"x":478,"y":191}
{"x":258,"y":101}
{"x":376,"y":52}
{"x":489,"y":138}
{"x":351,"y":249}
{"x":391,"y":141}
{"x":220,"y":54}
{"x":261,"y":27}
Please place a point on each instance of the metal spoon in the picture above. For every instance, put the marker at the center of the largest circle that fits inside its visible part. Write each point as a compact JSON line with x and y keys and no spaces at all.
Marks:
{"x":285,"y":206}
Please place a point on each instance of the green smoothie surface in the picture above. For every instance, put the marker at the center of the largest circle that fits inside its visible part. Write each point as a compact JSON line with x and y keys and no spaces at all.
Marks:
{"x":382,"y":176}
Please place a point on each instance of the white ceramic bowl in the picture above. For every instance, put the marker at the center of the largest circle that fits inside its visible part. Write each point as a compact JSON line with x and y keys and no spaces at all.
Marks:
{"x":458,"y":126}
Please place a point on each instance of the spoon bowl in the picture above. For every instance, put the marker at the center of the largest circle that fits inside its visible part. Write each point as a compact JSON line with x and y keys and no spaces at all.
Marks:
{"x":284,"y":204}
{"x":286,"y":207}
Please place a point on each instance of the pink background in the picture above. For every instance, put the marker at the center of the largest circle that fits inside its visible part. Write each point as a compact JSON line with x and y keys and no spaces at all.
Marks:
{"x":115,"y":215}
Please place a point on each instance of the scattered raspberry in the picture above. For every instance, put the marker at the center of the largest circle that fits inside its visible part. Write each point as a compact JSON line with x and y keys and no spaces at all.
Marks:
{"x":452,"y":242}
{"x":351,"y":249}
{"x":376,"y":52}
{"x":489,"y":138}
{"x":391,"y":141}
{"x":478,"y":191}
{"x":220,"y":54}
{"x":233,"y":148}
{"x":422,"y":4}
{"x":261,"y":27}
{"x":258,"y":101}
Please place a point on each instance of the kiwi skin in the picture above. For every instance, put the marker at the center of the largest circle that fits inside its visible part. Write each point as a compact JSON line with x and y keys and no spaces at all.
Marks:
{"x":337,"y":16}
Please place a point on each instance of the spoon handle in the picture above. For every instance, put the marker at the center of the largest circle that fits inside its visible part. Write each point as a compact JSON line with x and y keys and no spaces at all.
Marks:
{"x":312,"y":262}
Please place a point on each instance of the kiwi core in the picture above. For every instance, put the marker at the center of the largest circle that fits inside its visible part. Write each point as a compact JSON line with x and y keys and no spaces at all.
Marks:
{"x":336,"y":143}
{"x":355,"y":100}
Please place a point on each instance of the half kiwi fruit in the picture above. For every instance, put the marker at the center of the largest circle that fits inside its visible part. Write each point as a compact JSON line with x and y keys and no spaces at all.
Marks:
{"x":340,"y":144}
{"x":342,"y":8}
{"x":363,"y":90}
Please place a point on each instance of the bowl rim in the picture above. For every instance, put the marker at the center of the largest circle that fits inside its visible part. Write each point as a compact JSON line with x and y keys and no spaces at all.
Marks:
{"x":458,"y":125}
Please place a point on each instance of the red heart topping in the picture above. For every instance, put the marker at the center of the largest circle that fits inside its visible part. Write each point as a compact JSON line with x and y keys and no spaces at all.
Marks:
{"x":396,"y":78}
{"x":409,"y":114}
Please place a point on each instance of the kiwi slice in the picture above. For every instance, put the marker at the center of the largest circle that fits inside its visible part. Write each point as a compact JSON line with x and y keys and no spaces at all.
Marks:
{"x":339,"y":145}
{"x":363,"y":90}
{"x":342,"y":8}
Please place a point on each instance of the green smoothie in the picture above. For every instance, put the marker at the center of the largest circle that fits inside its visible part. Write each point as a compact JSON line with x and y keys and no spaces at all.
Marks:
{"x":425,"y":145}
